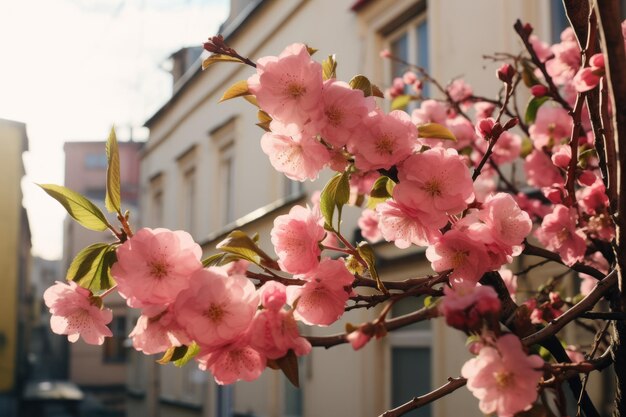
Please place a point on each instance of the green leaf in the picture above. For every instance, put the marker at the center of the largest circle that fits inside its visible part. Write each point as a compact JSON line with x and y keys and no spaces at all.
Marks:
{"x":528,"y":74}
{"x":113,"y":199}
{"x":82,"y":210}
{"x":173,"y":354}
{"x":191,"y":352}
{"x":329,"y":67}
{"x":336,"y":193}
{"x":532,"y":107}
{"x":383,"y":187}
{"x":289,"y":365}
{"x":401,"y":102}
{"x":241,"y":245}
{"x":239,"y":89}
{"x":91,"y":268}
{"x":219,"y":58}
{"x":264,"y":120}
{"x":361,"y":82}
{"x":435,"y":131}
{"x":527,"y":147}
{"x":367,"y":253}
{"x":213,"y":260}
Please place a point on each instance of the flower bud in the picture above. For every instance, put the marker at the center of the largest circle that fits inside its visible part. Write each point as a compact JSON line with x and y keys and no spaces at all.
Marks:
{"x":409,"y":77}
{"x":484,"y":128}
{"x":539,"y":90}
{"x":385,"y":53}
{"x":511,"y":123}
{"x":505,"y":73}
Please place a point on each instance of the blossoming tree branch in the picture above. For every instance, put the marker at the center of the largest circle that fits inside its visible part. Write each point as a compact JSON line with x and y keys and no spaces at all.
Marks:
{"x":434,"y":178}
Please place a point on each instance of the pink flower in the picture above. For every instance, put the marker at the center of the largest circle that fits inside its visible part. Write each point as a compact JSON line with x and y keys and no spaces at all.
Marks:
{"x":436,"y":181}
{"x":288,"y":87}
{"x":321,"y":301}
{"x":510,"y":280}
{"x":383,"y":140}
{"x":586,"y":79}
{"x":566,"y":59}
{"x":409,"y":77}
{"x":484,"y":127}
{"x":574,"y":354}
{"x":459,"y":90}
{"x":542,"y":49}
{"x":539,"y":90}
{"x":76,"y":313}
{"x":430,"y":111}
{"x":404,"y":226}
{"x":358,"y":339}
{"x":233,"y":362}
{"x":216,"y":308}
{"x":155,"y":265}
{"x":561,"y":155}
{"x":540,"y":172}
{"x":509,"y":225}
{"x":299,"y":157}
{"x":462,"y":129}
{"x":466,"y":304}
{"x":296,"y":238}
{"x":593,"y":199}
{"x":505,"y":73}
{"x":368,"y":223}
{"x":552,"y":127}
{"x":507,"y":148}
{"x":342,"y":110}
{"x":274,"y":332}
{"x":503,"y":377}
{"x":156,"y":331}
{"x":484,"y":109}
{"x":558,"y":232}
{"x":455,"y":250}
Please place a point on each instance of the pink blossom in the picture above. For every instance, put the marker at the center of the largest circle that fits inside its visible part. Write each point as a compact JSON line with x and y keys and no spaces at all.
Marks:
{"x":233,"y":362}
{"x":506,"y":73}
{"x":274,"y":332}
{"x":430,"y":111}
{"x":566,"y":59}
{"x":552,"y":127}
{"x":586,"y":79}
{"x":288,"y":87}
{"x":358,"y":339}
{"x":459,"y":90}
{"x":466,"y":304}
{"x":75,"y":313}
{"x":409,"y":77}
{"x":593,"y":199}
{"x":363,"y":182}
{"x":296,"y":238}
{"x":461,"y":128}
{"x":404,"y":226}
{"x":216,"y":308}
{"x":484,"y":127}
{"x":156,"y":331}
{"x":534,"y":207}
{"x":510,"y":280}
{"x":503,"y":377}
{"x":321,"y":301}
{"x":540,"y":172}
{"x":558,"y":232}
{"x":155,"y":265}
{"x":457,"y":251}
{"x":509,"y":225}
{"x":574,"y":354}
{"x":343,"y":108}
{"x":599,"y":262}
{"x":299,"y":157}
{"x":368,"y":223}
{"x":561,"y":155}
{"x":385,"y":53}
{"x":436,"y":181}
{"x":541,"y":48}
{"x":484,"y":109}
{"x":383,"y":140}
{"x":507,"y":148}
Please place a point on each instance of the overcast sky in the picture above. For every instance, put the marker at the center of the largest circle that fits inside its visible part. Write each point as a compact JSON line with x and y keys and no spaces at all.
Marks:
{"x":72,"y":68}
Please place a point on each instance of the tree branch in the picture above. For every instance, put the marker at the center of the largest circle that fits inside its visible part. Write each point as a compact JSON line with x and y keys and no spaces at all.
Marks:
{"x":452,"y":385}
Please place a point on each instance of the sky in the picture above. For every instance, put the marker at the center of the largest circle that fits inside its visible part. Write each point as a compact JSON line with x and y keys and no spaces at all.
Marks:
{"x":72,"y":68}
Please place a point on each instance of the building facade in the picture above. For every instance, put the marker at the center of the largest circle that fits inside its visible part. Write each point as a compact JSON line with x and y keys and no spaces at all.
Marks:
{"x":15,"y":259}
{"x":202,"y":170}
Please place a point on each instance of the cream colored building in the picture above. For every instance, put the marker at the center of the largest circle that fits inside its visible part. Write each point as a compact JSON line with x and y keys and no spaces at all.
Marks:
{"x":203,"y":171}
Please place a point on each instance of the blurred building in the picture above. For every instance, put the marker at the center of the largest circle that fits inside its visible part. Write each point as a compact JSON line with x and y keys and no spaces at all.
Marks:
{"x":202,"y":170}
{"x":15,"y":260}
{"x":99,"y":369}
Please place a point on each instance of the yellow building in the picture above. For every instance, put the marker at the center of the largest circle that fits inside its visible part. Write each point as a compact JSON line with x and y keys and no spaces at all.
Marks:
{"x":14,"y":263}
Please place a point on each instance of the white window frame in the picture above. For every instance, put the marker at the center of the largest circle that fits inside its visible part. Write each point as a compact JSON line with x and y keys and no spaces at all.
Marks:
{"x":188,"y":191}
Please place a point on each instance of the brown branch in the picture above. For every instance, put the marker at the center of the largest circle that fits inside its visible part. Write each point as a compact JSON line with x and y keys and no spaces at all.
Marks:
{"x":422,"y":314}
{"x":544,"y":253}
{"x":452,"y":385}
{"x":583,"y":306}
{"x":554,"y":91}
{"x":615,"y":63}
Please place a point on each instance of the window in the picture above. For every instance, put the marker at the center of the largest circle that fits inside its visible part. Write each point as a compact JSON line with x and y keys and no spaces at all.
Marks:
{"x":96,"y":161}
{"x":188,"y":190}
{"x":292,"y":188}
{"x":410,"y":43}
{"x":113,"y":349}
{"x":156,"y":201}
{"x":223,"y":143}
{"x":227,"y":182}
{"x":410,"y":352}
